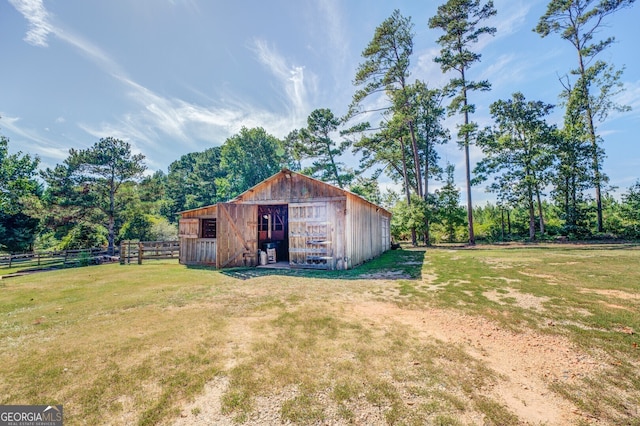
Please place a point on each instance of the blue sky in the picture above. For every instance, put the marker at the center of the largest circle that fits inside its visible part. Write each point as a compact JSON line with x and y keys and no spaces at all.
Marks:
{"x":178,"y":76}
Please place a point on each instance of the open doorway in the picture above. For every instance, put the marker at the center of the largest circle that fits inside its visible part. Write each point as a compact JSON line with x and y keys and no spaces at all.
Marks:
{"x":273,"y":230}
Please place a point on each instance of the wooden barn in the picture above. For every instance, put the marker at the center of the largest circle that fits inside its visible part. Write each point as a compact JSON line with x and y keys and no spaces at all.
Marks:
{"x":290,"y":218}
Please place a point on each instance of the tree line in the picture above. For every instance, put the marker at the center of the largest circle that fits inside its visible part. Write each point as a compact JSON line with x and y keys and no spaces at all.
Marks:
{"x":543,"y":176}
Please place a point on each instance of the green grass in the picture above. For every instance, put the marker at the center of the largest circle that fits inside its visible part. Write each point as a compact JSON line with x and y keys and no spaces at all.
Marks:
{"x":134,"y":344}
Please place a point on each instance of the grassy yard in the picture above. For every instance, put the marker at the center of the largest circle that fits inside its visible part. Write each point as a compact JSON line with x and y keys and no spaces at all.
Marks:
{"x":414,"y":337}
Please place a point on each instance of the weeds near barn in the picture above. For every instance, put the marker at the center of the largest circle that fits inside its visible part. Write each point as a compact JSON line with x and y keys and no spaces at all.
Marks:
{"x":139,"y":343}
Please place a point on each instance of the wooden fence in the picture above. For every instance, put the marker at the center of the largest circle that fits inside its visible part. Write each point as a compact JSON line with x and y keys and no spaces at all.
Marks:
{"x":140,"y":250}
{"x":54,"y":259}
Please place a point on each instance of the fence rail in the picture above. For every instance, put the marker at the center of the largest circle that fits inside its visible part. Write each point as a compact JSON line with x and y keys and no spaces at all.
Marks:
{"x":53,"y":259}
{"x":141,"y":250}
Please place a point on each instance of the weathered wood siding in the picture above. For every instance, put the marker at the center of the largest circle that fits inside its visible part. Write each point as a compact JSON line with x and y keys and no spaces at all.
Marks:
{"x":189,"y":228}
{"x":208,"y":211}
{"x":198,"y":251}
{"x":367,"y":231}
{"x":195,"y":250}
{"x":237,"y":239}
{"x":328,"y":227}
{"x":295,"y":189}
{"x":316,"y":235}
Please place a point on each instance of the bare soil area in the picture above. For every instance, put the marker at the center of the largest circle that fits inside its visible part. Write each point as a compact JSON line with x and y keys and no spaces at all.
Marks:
{"x":527,"y":363}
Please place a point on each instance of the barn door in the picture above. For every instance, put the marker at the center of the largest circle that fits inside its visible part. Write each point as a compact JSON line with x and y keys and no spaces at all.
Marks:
{"x":310,"y":232}
{"x":237,"y":235}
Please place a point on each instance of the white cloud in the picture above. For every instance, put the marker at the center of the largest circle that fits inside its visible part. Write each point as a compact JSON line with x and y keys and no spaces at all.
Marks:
{"x":630,"y":96}
{"x":53,"y":152}
{"x":511,"y":16}
{"x":37,"y":143}
{"x":40,"y":27}
{"x":38,"y":18}
{"x":290,"y":77}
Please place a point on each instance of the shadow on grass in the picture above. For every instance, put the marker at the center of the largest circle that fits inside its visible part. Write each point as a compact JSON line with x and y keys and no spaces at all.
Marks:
{"x":394,"y":264}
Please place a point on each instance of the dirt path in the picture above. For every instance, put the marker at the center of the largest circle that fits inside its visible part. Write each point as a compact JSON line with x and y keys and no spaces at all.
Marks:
{"x":529,"y":361}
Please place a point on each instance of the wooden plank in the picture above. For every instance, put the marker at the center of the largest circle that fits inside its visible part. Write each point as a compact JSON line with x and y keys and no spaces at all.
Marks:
{"x":237,"y":234}
{"x":231,"y":222}
{"x":310,"y":235}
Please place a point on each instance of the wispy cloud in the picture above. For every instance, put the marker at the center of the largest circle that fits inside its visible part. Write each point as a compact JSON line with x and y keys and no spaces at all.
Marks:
{"x":511,"y":16}
{"x":38,"y":18}
{"x":161,"y":118}
{"x":290,"y":77}
{"x":40,"y":26}
{"x":38,"y":143}
{"x":630,"y":97}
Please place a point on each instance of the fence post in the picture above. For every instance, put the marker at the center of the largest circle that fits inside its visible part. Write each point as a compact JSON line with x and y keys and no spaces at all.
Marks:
{"x":140,"y":252}
{"x":10,"y":258}
{"x":122,"y":252}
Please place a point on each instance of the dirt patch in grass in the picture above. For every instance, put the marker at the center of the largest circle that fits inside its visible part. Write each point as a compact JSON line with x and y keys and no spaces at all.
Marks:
{"x":527,"y":363}
{"x":523,"y":300}
{"x":618,"y":294}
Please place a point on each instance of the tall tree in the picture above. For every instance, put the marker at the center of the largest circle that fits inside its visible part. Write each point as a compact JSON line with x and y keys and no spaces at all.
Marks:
{"x":630,"y":210}
{"x":248,"y":158}
{"x":91,"y":179}
{"x":17,"y":181}
{"x":430,"y":131}
{"x":449,"y":213}
{"x":181,"y":185}
{"x":573,"y":172}
{"x":368,"y":188}
{"x":519,"y":151}
{"x":386,"y":70}
{"x":315,"y":143}
{"x":578,"y":22}
{"x":459,"y":19}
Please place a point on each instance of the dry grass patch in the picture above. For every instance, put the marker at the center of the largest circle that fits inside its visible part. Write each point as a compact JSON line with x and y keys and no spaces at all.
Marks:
{"x":162,"y":343}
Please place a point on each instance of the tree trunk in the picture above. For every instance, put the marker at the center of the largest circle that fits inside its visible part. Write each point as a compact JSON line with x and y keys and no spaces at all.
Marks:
{"x":414,"y":237}
{"x":532,"y":222}
{"x":112,"y":206}
{"x":426,"y":194}
{"x":597,"y":178}
{"x":472,"y":237}
{"x":333,"y":165}
{"x":540,"y":211}
{"x":416,"y":160}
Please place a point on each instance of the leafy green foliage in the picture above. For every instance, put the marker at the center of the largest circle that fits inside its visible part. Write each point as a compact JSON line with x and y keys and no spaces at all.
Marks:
{"x":367,"y":188}
{"x":84,"y":235}
{"x":630,"y":211}
{"x":518,"y":152}
{"x":247,"y":159}
{"x":407,"y":218}
{"x":17,"y":184}
{"x":449,"y":214}
{"x":314,"y":142}
{"x":459,"y":20}
{"x":578,"y":21}
{"x":87,"y":187}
